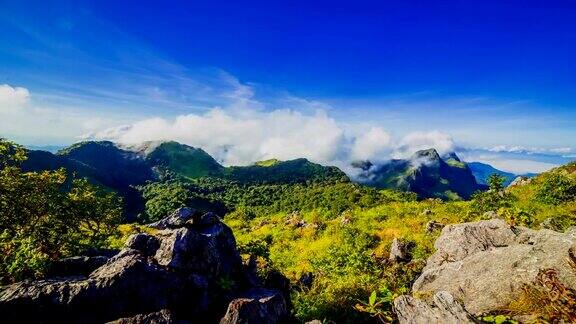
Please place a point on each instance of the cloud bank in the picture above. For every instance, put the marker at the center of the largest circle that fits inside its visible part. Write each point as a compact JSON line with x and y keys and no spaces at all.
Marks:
{"x":240,"y":138}
{"x":245,"y":131}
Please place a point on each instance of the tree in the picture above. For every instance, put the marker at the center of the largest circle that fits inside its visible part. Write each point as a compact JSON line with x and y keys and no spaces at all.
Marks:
{"x":47,"y":215}
{"x":496,"y":182}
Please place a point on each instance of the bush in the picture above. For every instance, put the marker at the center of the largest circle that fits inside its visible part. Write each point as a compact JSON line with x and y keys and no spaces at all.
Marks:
{"x":556,"y":188}
{"x":47,"y":215}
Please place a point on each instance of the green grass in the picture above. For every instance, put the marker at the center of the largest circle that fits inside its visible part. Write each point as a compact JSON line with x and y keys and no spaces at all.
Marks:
{"x":267,"y":163}
{"x":454,"y":163}
{"x":347,"y":251}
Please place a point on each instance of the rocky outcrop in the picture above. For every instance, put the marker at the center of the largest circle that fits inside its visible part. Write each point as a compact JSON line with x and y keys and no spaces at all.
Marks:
{"x":177,"y":219}
{"x":519,"y":181}
{"x":433,"y":226}
{"x":443,"y":309}
{"x":174,"y":274}
{"x":160,"y":317}
{"x":485,"y":264}
{"x":256,"y":306}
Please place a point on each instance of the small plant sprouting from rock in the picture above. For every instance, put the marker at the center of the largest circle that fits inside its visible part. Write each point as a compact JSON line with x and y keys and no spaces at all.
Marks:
{"x":379,"y":307}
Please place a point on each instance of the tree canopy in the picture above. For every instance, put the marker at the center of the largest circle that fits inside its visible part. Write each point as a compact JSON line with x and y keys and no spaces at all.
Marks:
{"x":47,"y":215}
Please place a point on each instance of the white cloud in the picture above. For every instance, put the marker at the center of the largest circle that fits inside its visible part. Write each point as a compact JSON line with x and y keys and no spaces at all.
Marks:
{"x":12,"y":97}
{"x":442,"y":142}
{"x":29,"y":122}
{"x":509,"y":148}
{"x":374,"y":144}
{"x":561,"y":150}
{"x":242,"y":138}
{"x":236,"y":134}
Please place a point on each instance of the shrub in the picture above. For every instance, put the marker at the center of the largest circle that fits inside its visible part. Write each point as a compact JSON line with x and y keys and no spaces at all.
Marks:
{"x":556,"y":188}
{"x":47,"y":215}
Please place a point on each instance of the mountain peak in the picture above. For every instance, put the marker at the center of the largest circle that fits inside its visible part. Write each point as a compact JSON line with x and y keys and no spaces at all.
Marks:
{"x":430,"y":153}
{"x":451,"y":156}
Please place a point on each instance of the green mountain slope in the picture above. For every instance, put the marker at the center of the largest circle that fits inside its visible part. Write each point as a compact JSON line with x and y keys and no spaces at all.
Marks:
{"x":111,"y":165}
{"x":124,"y":170}
{"x":184,"y":160}
{"x":284,"y":172}
{"x":425,"y":173}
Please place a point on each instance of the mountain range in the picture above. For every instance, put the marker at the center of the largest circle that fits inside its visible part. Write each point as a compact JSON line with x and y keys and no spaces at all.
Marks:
{"x":426,"y":173}
{"x":122,"y":169}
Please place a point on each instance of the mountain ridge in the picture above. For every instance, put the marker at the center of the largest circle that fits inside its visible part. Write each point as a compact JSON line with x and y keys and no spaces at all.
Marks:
{"x":482,"y":171}
{"x":123,"y":169}
{"x":426,"y":173}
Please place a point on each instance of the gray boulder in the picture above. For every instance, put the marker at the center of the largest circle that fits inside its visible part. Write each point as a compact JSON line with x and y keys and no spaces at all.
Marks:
{"x":177,"y":219}
{"x":145,"y":243}
{"x":401,"y":251}
{"x":519,"y":181}
{"x":209,"y":251}
{"x":126,"y":284}
{"x":155,"y":279}
{"x":443,"y":309}
{"x":485,"y":264}
{"x":171,"y":270}
{"x":160,"y":317}
{"x":206,"y":219}
{"x":257,"y":306}
{"x":433,"y":226}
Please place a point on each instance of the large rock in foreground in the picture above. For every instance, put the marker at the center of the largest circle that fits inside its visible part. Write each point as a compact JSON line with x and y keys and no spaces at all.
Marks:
{"x":171,"y":276}
{"x":443,"y":310}
{"x":485,"y":264}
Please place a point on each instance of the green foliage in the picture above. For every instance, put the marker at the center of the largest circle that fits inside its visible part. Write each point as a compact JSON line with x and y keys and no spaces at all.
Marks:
{"x":556,"y":188}
{"x":284,"y":172}
{"x":378,"y":306}
{"x":491,"y":200}
{"x":343,"y":238}
{"x":245,"y":200}
{"x":162,"y":199}
{"x":257,"y":248}
{"x":295,"y":217}
{"x":267,"y":163}
{"x":46,"y":215}
{"x":496,"y":182}
{"x":497,"y":319}
{"x":347,"y":254}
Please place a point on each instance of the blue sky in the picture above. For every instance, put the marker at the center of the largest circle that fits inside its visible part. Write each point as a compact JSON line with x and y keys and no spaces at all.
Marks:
{"x":496,"y":76}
